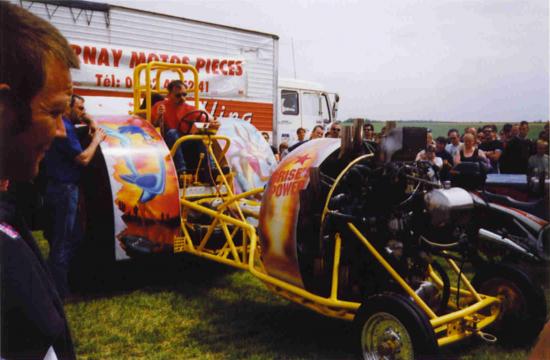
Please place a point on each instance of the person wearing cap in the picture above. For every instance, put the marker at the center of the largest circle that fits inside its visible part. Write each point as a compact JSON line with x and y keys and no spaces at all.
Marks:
{"x":178,"y":121}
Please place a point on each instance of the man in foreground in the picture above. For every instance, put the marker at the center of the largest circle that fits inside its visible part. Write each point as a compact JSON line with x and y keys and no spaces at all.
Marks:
{"x":35,"y":89}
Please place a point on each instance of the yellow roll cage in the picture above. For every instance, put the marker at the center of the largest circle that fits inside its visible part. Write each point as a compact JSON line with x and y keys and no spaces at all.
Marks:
{"x":145,"y":89}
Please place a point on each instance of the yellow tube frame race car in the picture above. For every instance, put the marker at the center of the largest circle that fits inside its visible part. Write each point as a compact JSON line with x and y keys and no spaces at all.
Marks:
{"x":335,"y":228}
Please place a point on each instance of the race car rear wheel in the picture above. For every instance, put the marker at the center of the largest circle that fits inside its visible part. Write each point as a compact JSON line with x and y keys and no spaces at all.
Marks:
{"x":523,"y":305}
{"x":391,"y":326}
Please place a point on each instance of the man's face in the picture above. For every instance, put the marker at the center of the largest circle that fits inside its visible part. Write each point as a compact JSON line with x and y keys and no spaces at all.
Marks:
{"x":439,"y":146}
{"x":25,"y":150}
{"x":453,"y":138}
{"x":487,"y":135}
{"x":368,"y":132}
{"x":177,"y":94}
{"x":77,"y":110}
{"x":515,"y":131}
{"x":524,"y":130}
{"x":301,"y":135}
{"x":334,"y":131}
{"x":317,"y":133}
{"x":481,"y":137}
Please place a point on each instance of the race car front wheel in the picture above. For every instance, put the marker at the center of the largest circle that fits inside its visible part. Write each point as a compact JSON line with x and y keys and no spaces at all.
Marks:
{"x":391,"y":326}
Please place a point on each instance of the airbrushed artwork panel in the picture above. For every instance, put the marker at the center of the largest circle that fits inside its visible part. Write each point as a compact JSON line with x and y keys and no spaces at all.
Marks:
{"x":144,"y":186}
{"x":250,"y":156}
{"x":281,"y":206}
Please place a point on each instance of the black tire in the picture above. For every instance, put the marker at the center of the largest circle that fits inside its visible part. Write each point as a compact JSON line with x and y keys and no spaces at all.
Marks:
{"x":523,"y":309}
{"x":399,"y":318}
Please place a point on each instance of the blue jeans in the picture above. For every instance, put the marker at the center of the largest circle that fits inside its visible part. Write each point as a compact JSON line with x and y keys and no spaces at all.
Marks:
{"x":171,"y":136}
{"x":63,"y":230}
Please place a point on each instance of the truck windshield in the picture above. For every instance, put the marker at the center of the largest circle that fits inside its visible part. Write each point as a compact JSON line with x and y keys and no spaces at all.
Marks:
{"x":289,"y":102}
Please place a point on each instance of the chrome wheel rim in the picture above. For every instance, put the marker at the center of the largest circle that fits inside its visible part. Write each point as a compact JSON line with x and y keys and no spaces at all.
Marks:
{"x":384,"y":337}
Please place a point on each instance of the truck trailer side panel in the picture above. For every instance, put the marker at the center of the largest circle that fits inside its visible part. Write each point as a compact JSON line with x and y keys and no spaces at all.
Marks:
{"x":123,"y":27}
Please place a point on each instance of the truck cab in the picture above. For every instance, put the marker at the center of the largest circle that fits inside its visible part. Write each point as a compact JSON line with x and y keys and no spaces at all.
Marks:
{"x":303,"y":104}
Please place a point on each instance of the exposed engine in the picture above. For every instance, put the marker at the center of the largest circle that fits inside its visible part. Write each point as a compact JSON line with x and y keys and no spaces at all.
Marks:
{"x":409,"y":217}
{"x":399,"y":208}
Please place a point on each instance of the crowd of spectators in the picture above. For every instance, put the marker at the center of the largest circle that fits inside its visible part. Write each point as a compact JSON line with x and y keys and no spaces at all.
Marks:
{"x":508,"y":150}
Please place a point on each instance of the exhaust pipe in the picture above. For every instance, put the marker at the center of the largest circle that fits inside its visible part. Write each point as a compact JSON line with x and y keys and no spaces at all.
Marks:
{"x":496,"y":238}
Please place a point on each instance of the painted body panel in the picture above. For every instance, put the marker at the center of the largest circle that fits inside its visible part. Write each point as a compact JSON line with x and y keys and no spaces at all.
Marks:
{"x":249,"y":156}
{"x":143,"y":182}
{"x":281,"y":206}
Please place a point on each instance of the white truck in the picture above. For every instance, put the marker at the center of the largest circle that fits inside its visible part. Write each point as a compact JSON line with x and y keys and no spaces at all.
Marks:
{"x":238,"y":68}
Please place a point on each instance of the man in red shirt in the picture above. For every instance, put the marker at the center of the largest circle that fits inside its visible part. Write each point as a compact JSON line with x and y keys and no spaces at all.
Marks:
{"x":178,"y":122}
{"x":172,"y":109}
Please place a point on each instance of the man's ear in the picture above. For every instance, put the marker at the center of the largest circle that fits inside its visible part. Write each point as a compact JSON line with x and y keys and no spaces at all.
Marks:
{"x":15,"y":115}
{"x":7,"y":112}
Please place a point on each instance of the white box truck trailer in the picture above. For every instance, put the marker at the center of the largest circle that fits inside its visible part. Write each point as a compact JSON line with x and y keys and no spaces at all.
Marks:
{"x":238,"y":68}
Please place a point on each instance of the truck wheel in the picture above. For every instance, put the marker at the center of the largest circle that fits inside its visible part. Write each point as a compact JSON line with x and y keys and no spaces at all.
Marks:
{"x":523,"y":306}
{"x":390,"y":326}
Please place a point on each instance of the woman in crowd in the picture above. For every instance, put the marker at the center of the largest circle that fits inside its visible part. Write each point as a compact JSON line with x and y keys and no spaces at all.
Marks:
{"x":469,"y":151}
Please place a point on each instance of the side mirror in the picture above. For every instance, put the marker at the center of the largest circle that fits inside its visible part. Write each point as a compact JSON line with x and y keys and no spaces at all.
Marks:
{"x":335,"y":105}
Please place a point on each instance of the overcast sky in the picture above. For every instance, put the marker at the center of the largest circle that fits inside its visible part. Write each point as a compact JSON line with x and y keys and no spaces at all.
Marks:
{"x":453,"y":60}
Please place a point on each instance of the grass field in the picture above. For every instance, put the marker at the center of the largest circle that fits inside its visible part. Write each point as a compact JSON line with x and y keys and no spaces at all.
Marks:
{"x":188,"y":308}
{"x":441,"y":128}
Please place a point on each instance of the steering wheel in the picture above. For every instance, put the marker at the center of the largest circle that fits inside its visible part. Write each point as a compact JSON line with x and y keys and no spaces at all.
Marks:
{"x":202,"y":114}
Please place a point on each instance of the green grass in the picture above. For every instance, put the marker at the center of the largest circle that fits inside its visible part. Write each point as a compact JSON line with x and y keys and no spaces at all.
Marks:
{"x":188,"y":308}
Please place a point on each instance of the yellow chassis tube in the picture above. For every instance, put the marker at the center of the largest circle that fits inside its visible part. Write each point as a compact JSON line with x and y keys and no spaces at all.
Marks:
{"x":454,"y":326}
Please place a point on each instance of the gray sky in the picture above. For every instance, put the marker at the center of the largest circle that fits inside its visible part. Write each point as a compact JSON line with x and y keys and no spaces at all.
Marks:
{"x":452,"y":60}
